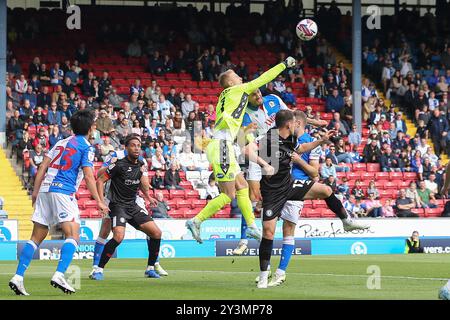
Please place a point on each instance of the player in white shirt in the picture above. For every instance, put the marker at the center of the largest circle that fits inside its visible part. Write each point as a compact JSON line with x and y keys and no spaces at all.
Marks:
{"x":56,"y":183}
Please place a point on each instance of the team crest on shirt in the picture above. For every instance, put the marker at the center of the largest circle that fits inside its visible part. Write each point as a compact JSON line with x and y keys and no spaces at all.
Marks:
{"x":231,"y":175}
{"x":271,"y":104}
{"x":122,"y":220}
{"x":268,"y":213}
{"x":63,"y":215}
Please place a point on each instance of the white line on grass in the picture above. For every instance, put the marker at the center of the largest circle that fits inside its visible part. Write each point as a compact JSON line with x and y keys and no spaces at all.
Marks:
{"x":255,"y":273}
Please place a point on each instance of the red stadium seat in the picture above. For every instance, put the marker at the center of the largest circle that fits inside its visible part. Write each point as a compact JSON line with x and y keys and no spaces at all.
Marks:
{"x":382,"y":176}
{"x":373,"y":167}
{"x":409,"y":175}
{"x":395,"y":176}
{"x":359,"y":167}
{"x":307,"y":204}
{"x":390,"y":185}
{"x":172,"y":203}
{"x":188,"y":214}
{"x":353,"y":175}
{"x":176,"y":214}
{"x":83,"y":194}
{"x":403,"y":184}
{"x":327,"y":213}
{"x":192,"y":194}
{"x":312,"y":213}
{"x":90,"y":204}
{"x":179,"y":194}
{"x":435,"y":212}
{"x":318,"y":204}
{"x":183,"y":204}
{"x":199,"y":203}
{"x":367,"y":176}
{"x":418,"y":211}
{"x":222,"y":214}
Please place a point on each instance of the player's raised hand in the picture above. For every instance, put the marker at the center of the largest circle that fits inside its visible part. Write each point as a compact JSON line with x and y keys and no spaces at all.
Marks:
{"x":295,"y":157}
{"x":103,"y":208}
{"x":327,"y":135}
{"x":251,"y":128}
{"x":290,"y":62}
{"x":153,"y":202}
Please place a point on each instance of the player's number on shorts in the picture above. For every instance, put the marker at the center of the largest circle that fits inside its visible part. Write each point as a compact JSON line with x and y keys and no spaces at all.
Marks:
{"x":67,"y":158}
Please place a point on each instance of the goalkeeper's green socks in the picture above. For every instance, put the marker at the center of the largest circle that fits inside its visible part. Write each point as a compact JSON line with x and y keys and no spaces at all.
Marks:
{"x":245,"y":204}
{"x":212,"y":207}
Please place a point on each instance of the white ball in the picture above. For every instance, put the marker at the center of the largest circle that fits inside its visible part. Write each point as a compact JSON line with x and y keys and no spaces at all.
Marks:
{"x":306,"y":29}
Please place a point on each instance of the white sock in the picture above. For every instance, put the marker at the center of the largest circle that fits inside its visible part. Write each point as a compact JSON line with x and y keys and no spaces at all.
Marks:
{"x":59,"y":274}
{"x":18,"y":278}
{"x":101,"y":240}
{"x":280,"y":272}
{"x":243,"y":241}
{"x":263,"y":275}
{"x":150,"y":268}
{"x":253,"y":225}
{"x":99,"y":270}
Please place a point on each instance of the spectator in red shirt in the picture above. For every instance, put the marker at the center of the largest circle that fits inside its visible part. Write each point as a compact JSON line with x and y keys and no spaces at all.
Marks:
{"x":41,"y":139}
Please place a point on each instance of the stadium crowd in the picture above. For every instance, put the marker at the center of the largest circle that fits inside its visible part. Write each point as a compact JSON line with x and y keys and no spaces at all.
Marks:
{"x":174,"y":126}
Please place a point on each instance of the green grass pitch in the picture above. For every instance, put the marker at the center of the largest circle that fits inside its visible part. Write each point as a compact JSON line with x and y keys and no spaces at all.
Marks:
{"x":309,"y":277}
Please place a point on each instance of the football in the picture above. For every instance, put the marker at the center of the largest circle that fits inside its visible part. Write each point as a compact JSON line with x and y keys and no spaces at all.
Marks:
{"x":306,"y":29}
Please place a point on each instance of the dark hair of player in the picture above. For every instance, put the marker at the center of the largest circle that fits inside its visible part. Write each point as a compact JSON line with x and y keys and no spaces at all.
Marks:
{"x":283,"y":117}
{"x":133,"y":136}
{"x":81,"y":122}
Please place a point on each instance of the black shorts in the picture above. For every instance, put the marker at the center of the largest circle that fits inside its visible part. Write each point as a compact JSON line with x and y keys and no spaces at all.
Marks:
{"x":134,"y":215}
{"x":272,"y":206}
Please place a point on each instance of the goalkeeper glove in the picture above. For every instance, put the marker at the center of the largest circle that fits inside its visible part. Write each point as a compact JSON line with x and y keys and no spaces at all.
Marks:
{"x":290,"y":62}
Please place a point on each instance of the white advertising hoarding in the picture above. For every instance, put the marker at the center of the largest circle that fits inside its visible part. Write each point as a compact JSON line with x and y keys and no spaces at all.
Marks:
{"x":306,"y":228}
{"x":8,"y":230}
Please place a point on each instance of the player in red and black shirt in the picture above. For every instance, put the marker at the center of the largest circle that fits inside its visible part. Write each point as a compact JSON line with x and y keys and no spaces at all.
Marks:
{"x":128,"y":176}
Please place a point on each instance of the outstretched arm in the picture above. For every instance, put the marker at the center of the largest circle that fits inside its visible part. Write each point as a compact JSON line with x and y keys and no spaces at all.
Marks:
{"x":268,"y":76}
{"x":305,"y":147}
{"x":317,"y":123}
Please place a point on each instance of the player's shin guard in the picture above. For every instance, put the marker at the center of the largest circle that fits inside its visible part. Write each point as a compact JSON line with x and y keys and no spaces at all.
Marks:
{"x":286,"y":252}
{"x":25,"y":257}
{"x":244,"y":203}
{"x":98,"y":249}
{"x":336,"y":206}
{"x":213,"y":206}
{"x":68,"y":249}
{"x":108,"y":252}
{"x":265,"y":252}
{"x":153,"y":250}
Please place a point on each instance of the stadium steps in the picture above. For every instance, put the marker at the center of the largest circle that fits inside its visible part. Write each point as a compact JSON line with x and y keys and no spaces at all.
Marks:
{"x":411,"y":128}
{"x":17,"y":202}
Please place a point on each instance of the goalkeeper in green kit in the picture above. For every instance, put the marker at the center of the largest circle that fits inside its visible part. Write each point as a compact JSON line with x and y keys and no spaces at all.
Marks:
{"x":230,"y":112}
